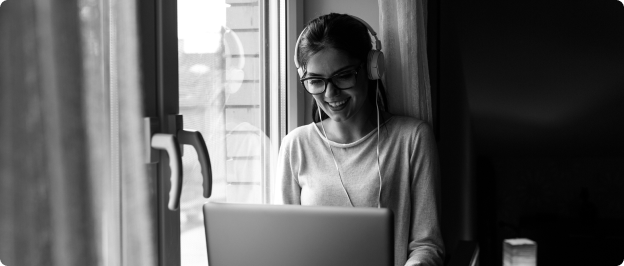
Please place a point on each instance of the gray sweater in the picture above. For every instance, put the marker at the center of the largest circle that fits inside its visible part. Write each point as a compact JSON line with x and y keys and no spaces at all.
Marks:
{"x":307,"y":175}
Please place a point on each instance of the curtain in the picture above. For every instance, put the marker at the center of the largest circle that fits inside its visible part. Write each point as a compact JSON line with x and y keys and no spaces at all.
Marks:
{"x":403,"y":25}
{"x":55,"y":137}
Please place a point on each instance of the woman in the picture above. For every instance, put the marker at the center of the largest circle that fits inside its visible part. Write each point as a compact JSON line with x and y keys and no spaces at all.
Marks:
{"x":342,"y":159}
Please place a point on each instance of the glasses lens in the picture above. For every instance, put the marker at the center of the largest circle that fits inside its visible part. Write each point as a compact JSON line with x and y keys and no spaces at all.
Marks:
{"x":344,"y":81}
{"x":314,"y":86}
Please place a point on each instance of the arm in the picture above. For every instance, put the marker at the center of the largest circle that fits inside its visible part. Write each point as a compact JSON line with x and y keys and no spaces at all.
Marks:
{"x":425,"y":246}
{"x":287,"y":189}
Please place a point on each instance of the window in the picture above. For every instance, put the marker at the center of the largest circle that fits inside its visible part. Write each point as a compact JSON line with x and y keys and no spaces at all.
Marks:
{"x":227,"y":80}
{"x":228,"y":61}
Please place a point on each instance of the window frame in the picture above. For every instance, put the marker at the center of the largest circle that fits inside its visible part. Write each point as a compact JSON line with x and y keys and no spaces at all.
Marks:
{"x":295,"y":98}
{"x":159,"y":69}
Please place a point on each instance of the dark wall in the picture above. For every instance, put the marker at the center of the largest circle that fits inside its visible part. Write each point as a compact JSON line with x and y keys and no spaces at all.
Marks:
{"x":531,"y":125}
{"x":569,"y":205}
{"x":454,"y":131}
{"x":543,"y":74}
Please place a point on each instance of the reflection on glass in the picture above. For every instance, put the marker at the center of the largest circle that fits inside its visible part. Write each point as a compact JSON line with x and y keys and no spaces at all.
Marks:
{"x":220,"y":96}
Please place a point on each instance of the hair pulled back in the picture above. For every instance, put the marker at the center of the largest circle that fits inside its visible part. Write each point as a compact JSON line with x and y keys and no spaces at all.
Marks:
{"x":341,"y":32}
{"x":338,"y":31}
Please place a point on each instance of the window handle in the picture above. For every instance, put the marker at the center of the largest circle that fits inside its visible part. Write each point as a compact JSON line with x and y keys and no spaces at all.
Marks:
{"x":170,"y":144}
{"x":195,"y":139}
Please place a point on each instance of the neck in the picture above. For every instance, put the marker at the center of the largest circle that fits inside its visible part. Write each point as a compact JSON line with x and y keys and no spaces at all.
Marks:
{"x":352,"y":129}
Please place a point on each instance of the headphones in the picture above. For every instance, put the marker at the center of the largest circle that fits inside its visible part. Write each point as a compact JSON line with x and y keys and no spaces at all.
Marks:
{"x":375,"y":66}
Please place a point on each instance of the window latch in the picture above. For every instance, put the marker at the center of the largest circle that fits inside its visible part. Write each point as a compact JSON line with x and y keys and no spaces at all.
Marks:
{"x":173,"y":145}
{"x":169,"y":143}
{"x":195,"y":139}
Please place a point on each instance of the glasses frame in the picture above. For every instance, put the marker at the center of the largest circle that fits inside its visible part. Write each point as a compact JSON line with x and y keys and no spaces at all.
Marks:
{"x":330,"y":79}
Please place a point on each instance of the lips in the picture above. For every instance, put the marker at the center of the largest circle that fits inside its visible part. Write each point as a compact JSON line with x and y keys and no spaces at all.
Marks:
{"x":338,"y":105}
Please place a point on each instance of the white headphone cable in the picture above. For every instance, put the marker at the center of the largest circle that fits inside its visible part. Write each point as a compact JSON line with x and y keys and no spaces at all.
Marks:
{"x":336,"y":163}
{"x":378,"y":164}
{"x":333,"y":157}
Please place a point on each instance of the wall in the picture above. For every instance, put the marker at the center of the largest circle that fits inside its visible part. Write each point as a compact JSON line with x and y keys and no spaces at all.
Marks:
{"x":455,"y":134}
{"x":368,"y":10}
{"x":543,"y":74}
{"x":533,"y":91}
{"x":560,"y":202}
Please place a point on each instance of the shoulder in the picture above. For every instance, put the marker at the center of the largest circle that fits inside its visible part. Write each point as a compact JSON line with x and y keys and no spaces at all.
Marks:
{"x":409,"y":132}
{"x":409,"y":125}
{"x":298,"y":135}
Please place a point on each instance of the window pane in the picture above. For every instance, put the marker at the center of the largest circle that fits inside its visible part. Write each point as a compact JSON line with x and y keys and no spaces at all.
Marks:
{"x":222,"y":96}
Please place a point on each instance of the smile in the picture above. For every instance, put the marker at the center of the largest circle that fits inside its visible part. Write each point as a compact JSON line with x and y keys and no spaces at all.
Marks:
{"x":337,"y":104}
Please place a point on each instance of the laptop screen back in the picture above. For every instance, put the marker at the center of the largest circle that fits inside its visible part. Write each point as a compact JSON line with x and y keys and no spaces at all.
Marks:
{"x":274,"y":235}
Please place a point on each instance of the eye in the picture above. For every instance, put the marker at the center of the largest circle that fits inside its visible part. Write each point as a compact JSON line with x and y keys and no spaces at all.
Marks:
{"x":315,"y":82}
{"x":345,"y":76}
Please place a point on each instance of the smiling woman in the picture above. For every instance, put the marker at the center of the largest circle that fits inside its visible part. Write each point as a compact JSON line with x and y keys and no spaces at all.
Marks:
{"x":337,"y":161}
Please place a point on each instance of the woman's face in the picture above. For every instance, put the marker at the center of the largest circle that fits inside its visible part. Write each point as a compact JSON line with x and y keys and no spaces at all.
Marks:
{"x":340,"y":105}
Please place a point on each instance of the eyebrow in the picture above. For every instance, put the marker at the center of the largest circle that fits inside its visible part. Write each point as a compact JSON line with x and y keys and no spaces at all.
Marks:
{"x":335,"y":72}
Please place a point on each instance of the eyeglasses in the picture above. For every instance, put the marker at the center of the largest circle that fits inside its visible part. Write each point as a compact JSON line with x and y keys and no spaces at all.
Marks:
{"x":343,"y":80}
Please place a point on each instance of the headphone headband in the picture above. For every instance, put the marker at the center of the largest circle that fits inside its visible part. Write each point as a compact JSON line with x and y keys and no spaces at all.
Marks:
{"x":375,"y":61}
{"x":371,"y":30}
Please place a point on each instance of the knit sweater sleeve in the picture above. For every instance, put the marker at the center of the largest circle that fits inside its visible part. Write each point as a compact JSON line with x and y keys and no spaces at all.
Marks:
{"x":425,"y":240}
{"x":287,"y":189}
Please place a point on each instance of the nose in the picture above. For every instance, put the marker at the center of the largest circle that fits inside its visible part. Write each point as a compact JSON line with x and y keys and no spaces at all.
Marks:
{"x":331,"y":90}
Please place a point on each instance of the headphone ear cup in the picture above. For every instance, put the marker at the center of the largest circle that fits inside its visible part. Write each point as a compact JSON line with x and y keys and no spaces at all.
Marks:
{"x":375,"y":65}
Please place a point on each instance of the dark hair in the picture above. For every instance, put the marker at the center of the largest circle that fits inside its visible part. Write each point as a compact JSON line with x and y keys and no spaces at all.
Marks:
{"x":344,"y":33}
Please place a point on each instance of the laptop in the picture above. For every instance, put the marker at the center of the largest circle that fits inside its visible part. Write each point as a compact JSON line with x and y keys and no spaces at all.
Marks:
{"x":286,"y":235}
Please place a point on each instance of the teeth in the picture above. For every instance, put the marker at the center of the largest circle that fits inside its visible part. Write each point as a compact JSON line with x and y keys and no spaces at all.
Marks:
{"x":335,"y":104}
